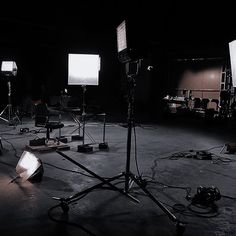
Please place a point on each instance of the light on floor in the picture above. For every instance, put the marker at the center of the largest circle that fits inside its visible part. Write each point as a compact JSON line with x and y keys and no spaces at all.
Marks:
{"x":29,"y":167}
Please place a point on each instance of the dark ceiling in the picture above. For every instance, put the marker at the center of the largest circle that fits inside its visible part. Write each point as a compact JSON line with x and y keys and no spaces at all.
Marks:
{"x":40,"y":35}
{"x":177,"y":25}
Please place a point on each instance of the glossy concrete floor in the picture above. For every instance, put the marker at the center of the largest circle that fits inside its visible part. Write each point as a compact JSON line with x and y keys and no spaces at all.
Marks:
{"x":168,"y":158}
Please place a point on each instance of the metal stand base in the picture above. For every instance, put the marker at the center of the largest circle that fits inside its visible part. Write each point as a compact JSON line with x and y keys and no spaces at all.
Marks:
{"x":77,"y":137}
{"x":103,"y":146}
{"x":65,"y":202}
{"x":10,"y":119}
{"x":127,"y":176}
{"x":62,"y":139}
{"x":84,"y":148}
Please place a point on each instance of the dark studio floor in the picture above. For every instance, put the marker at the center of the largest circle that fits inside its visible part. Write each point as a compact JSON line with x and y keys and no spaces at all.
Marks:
{"x":27,"y":207}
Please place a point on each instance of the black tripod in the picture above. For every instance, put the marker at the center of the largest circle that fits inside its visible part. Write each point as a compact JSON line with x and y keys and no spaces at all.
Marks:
{"x":9,"y":118}
{"x":132,"y":69}
{"x":128,"y":175}
{"x":84,"y":147}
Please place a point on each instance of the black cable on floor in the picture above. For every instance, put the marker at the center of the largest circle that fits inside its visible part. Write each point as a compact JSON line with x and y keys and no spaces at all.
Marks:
{"x":187,"y":189}
{"x":229,"y":197}
{"x":14,"y":149}
{"x":60,"y":221}
{"x":210,"y":211}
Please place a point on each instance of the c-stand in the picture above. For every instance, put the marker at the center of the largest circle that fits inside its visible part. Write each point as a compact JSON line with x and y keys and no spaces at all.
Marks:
{"x":131,"y":72}
{"x":129,"y":176}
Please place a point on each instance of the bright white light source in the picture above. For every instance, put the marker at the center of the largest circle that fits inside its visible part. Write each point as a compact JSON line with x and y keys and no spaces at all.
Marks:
{"x":83,"y":69}
{"x":121,"y":36}
{"x":232,"y":52}
{"x":9,"y":67}
{"x":27,"y":165}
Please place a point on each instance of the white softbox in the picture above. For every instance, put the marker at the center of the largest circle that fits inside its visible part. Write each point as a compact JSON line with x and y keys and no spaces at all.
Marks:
{"x":83,"y":69}
{"x":29,"y":167}
{"x":232,"y":52}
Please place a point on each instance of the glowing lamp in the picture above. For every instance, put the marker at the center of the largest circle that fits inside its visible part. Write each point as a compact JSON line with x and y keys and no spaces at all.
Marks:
{"x":29,"y":167}
{"x":9,"y":68}
{"x":83,"y":69}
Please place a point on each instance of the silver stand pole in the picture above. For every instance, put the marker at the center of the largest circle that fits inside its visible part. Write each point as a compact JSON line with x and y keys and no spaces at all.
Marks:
{"x":9,"y":118}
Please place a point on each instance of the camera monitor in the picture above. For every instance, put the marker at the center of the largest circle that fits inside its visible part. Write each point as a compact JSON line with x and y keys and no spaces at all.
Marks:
{"x":9,"y":68}
{"x":83,"y":69}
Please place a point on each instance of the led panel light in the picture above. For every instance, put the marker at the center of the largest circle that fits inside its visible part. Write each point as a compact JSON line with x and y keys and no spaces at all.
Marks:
{"x":9,"y":68}
{"x":29,"y":166}
{"x":121,"y":36}
{"x":83,"y":69}
{"x":232,"y":52}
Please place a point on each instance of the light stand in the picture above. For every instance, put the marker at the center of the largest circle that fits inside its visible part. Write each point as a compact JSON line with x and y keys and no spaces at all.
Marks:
{"x":9,"y":70}
{"x":132,"y":71}
{"x":83,"y":69}
{"x":104,"y":144}
{"x":1,"y":147}
{"x":10,"y":118}
{"x":73,"y":113}
{"x":84,"y":147}
{"x":129,"y":176}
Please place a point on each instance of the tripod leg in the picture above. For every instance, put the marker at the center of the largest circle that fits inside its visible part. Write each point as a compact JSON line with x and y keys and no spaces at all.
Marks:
{"x":98,"y":177}
{"x":3,"y":119}
{"x":170,"y":215}
{"x":2,"y":112}
{"x":180,"y":226}
{"x":76,"y":196}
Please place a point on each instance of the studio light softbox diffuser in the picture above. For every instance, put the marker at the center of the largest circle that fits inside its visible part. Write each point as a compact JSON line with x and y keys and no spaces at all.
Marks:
{"x":83,"y":69}
{"x":29,"y":167}
{"x":232,"y":52}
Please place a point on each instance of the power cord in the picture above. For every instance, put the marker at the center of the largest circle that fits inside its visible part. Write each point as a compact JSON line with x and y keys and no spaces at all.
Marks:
{"x":14,"y":149}
{"x":65,"y":221}
{"x":202,"y":204}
